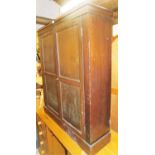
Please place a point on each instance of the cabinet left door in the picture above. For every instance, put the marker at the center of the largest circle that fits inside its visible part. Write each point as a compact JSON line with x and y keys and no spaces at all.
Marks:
{"x":49,"y":70}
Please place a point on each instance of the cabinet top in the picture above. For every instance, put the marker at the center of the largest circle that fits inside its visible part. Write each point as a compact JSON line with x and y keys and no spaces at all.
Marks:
{"x":83,"y":8}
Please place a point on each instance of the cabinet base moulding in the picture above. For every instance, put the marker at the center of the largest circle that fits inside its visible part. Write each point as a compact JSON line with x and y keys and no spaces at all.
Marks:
{"x":90,"y":149}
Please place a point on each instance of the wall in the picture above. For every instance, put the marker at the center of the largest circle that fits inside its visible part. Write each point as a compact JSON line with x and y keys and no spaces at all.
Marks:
{"x":48,"y":9}
{"x":114,"y":95}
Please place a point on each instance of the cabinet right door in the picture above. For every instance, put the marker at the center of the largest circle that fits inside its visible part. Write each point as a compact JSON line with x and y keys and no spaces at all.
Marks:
{"x":69,"y":49}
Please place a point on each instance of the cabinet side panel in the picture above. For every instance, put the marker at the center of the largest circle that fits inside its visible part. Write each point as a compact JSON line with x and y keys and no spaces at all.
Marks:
{"x":86,"y":58}
{"x":99,"y":70}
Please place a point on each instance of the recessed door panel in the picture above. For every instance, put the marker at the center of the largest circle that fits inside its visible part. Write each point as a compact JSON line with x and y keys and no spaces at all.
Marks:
{"x":48,"y":50}
{"x":52,"y":92}
{"x":68,"y":43}
{"x":71,"y":104}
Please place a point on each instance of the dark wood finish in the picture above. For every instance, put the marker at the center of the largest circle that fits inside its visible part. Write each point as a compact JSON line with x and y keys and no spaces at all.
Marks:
{"x":52,"y":92}
{"x":76,"y":60}
{"x":69,"y":55}
{"x":49,"y":59}
{"x":97,"y":70}
{"x":109,"y":4}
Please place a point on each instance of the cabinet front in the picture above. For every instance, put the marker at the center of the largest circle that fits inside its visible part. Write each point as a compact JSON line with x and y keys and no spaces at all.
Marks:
{"x":61,"y":50}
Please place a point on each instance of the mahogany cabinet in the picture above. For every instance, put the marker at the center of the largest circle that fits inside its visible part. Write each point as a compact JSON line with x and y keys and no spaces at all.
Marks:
{"x":76,"y":64}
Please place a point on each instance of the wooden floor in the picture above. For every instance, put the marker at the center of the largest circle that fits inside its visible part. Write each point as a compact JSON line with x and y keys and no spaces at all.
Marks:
{"x":112,"y":147}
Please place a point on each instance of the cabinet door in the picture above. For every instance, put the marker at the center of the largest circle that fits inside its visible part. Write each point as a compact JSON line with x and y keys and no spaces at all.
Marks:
{"x":49,"y":63}
{"x":69,"y":48}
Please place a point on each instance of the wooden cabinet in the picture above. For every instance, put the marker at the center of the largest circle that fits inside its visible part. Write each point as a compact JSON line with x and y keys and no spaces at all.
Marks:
{"x":76,"y":63}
